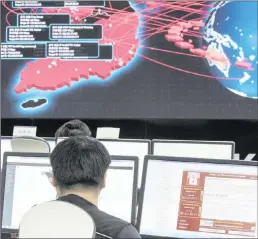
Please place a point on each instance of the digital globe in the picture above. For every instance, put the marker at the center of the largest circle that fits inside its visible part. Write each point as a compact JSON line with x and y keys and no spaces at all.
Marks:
{"x":231,"y":29}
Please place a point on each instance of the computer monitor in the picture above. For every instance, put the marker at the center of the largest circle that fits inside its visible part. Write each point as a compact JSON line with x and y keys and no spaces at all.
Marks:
{"x":198,"y":198}
{"x":60,"y":139}
{"x":126,"y":147}
{"x":130,"y":147}
{"x":194,"y":149}
{"x":26,"y":182}
{"x":5,"y":147}
{"x":52,"y":142}
{"x":119,"y":197}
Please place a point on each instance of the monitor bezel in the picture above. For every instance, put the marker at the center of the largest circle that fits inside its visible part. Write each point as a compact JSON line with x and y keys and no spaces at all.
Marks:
{"x":130,"y":141}
{"x":135,"y":183}
{"x":178,"y":159}
{"x":3,"y":178}
{"x":232,"y":143}
{"x":109,"y":140}
{"x":41,"y":155}
{"x":148,"y":153}
{"x":116,"y":140}
{"x":45,"y":138}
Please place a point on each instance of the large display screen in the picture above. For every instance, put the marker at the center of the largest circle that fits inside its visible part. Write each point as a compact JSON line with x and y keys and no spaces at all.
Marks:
{"x":199,"y":200}
{"x":129,"y":59}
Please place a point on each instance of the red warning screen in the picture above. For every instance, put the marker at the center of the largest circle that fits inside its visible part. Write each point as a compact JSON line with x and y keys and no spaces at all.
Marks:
{"x":218,"y":203}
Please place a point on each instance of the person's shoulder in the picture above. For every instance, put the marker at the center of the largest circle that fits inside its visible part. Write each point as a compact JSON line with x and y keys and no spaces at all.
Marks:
{"x":106,"y":225}
{"x":110,"y":219}
{"x":116,"y":227}
{"x":129,"y":231}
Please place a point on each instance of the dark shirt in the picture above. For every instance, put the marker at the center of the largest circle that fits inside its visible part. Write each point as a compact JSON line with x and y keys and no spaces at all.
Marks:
{"x":107,"y":226}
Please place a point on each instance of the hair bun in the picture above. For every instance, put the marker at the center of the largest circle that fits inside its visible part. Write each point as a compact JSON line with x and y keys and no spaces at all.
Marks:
{"x":72,"y":126}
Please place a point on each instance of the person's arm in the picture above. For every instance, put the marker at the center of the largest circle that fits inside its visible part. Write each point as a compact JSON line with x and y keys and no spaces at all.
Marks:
{"x":129,"y":232}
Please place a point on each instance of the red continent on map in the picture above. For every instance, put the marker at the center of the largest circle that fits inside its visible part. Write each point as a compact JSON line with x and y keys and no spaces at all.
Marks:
{"x":119,"y":29}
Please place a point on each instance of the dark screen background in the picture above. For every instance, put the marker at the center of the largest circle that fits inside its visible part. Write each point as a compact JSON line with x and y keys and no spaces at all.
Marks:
{"x":145,"y":90}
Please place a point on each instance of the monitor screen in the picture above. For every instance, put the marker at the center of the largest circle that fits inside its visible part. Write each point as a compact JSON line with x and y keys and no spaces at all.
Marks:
{"x":194,"y":149}
{"x":27,"y":183}
{"x":5,"y":147}
{"x":117,"y":197}
{"x":129,"y":148}
{"x":60,"y":139}
{"x":199,"y":200}
{"x":51,"y":142}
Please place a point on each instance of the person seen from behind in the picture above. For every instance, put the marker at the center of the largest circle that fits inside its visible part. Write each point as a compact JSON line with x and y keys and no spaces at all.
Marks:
{"x":80,"y":167}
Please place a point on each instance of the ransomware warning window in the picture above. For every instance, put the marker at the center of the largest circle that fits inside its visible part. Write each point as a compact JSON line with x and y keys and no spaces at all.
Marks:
{"x":218,"y":203}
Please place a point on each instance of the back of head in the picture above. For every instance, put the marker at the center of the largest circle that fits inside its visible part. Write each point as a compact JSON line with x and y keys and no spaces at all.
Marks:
{"x":73,"y":128}
{"x":79,"y":161}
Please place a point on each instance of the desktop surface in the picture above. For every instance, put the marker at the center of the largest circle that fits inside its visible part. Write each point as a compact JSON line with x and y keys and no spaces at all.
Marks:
{"x":186,"y":199}
{"x":26,"y":182}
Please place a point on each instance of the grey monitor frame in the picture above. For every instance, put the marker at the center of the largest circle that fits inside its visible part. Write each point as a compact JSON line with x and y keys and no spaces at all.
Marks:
{"x":194,"y":142}
{"x":45,"y":155}
{"x":178,"y":159}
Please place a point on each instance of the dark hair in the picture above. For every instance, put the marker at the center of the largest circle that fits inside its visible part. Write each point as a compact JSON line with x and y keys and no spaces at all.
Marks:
{"x":79,"y":160}
{"x":73,"y":128}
